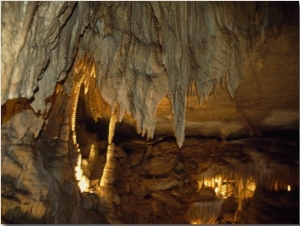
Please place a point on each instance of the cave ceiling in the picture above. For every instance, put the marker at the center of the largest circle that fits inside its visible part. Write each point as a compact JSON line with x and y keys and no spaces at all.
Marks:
{"x":167,"y":68}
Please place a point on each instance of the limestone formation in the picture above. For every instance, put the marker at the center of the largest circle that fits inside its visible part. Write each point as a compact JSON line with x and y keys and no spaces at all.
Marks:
{"x":148,"y":112}
{"x":134,"y":52}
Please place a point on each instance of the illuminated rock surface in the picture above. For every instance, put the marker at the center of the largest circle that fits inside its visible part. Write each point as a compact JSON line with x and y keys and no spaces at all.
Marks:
{"x":213,"y":88}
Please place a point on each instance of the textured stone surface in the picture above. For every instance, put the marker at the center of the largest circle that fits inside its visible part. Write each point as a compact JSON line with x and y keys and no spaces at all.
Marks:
{"x":157,"y":165}
{"x":36,"y":34}
{"x":161,"y":184}
{"x":166,"y":198}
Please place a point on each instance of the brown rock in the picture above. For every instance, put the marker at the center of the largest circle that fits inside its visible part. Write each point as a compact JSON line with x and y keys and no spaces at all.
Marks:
{"x":163,"y":148}
{"x":125,"y":171}
{"x":161,"y":183}
{"x":166,"y":198}
{"x":119,"y":152}
{"x":138,"y":188}
{"x":148,"y":151}
{"x":123,"y":187}
{"x":179,"y":167}
{"x":158,"y":165}
{"x":142,"y":213}
{"x":135,"y":157}
{"x":131,"y":145}
{"x":176,"y":192}
{"x":89,"y":201}
{"x":97,"y":171}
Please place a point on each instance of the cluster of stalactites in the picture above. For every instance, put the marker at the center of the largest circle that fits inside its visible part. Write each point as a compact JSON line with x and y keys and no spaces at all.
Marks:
{"x":141,"y":51}
{"x":168,"y":43}
{"x":202,"y":42}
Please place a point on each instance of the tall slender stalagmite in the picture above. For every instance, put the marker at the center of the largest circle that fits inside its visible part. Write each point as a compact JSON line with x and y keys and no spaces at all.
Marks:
{"x":108,"y":195}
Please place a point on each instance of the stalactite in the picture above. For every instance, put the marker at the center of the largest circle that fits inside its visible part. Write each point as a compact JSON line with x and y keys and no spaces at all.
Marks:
{"x":204,"y":212}
{"x":213,"y":45}
{"x":241,"y":187}
{"x":135,"y":55}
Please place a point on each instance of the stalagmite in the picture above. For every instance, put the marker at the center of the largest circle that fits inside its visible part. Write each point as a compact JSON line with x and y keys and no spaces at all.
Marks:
{"x":84,"y":72}
{"x":109,"y":198}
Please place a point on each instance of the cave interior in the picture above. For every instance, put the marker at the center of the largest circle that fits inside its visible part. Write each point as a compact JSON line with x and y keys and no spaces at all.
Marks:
{"x":149,"y":112}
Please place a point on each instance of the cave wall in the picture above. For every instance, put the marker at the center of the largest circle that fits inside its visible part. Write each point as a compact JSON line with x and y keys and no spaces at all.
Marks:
{"x":155,"y":61}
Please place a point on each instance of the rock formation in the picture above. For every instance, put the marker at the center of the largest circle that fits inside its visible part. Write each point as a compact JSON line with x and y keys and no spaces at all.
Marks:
{"x":223,"y":70}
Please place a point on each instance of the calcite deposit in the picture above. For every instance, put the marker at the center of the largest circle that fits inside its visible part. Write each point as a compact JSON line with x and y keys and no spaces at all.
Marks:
{"x":149,"y":112}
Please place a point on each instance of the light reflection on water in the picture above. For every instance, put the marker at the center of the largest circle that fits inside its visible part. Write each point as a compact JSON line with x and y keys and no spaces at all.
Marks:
{"x":228,"y":187}
{"x":225,"y":187}
{"x":239,"y":177}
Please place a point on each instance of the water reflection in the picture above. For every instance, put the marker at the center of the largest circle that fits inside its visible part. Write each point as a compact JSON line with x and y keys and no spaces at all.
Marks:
{"x":237,"y":174}
{"x":242,"y":189}
{"x":251,"y":181}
